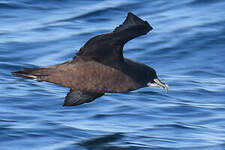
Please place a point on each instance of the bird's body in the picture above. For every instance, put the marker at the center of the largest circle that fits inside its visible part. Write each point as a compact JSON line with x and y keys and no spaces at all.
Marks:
{"x":99,"y":67}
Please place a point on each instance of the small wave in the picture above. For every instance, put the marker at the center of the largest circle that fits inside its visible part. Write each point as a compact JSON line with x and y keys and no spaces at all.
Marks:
{"x":11,"y":5}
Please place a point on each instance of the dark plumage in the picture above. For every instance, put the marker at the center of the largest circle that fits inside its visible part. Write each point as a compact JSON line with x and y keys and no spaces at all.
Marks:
{"x":99,"y":67}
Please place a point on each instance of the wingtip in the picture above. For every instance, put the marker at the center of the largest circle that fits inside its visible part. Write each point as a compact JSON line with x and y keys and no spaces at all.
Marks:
{"x":133,"y":21}
{"x":130,"y":14}
{"x":138,"y":19}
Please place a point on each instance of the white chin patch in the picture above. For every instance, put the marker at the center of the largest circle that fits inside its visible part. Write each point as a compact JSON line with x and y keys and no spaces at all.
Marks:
{"x":152,"y":84}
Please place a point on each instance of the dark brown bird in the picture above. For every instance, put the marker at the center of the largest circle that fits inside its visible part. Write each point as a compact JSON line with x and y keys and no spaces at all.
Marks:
{"x":99,"y":67}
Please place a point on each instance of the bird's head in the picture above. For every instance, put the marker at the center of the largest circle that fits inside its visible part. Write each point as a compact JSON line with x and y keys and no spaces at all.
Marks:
{"x":153,"y":80}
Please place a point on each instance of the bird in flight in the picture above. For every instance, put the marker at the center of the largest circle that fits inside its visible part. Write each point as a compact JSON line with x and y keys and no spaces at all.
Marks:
{"x":99,"y":66}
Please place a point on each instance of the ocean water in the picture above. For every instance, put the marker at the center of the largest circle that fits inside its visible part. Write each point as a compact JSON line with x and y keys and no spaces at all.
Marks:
{"x":186,"y":47}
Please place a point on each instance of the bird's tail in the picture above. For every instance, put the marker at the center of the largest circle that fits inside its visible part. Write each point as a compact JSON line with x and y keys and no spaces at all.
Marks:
{"x":31,"y":73}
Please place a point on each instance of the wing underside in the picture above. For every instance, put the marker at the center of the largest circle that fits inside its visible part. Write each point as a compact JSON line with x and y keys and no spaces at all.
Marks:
{"x":76,"y":97}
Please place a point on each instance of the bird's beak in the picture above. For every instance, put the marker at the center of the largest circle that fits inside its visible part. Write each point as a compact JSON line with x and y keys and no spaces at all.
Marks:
{"x":157,"y":82}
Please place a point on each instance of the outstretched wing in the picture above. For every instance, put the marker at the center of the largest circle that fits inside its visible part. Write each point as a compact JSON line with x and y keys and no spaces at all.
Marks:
{"x":108,"y":48}
{"x":75,"y":97}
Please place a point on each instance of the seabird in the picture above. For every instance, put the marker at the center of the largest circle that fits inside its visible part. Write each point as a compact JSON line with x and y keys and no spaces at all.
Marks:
{"x":99,"y":66}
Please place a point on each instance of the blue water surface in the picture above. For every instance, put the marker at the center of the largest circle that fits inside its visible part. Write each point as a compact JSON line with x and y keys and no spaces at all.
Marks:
{"x":186,"y":47}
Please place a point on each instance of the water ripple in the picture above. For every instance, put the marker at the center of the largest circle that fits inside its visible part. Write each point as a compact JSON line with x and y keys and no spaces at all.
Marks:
{"x":186,"y":48}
